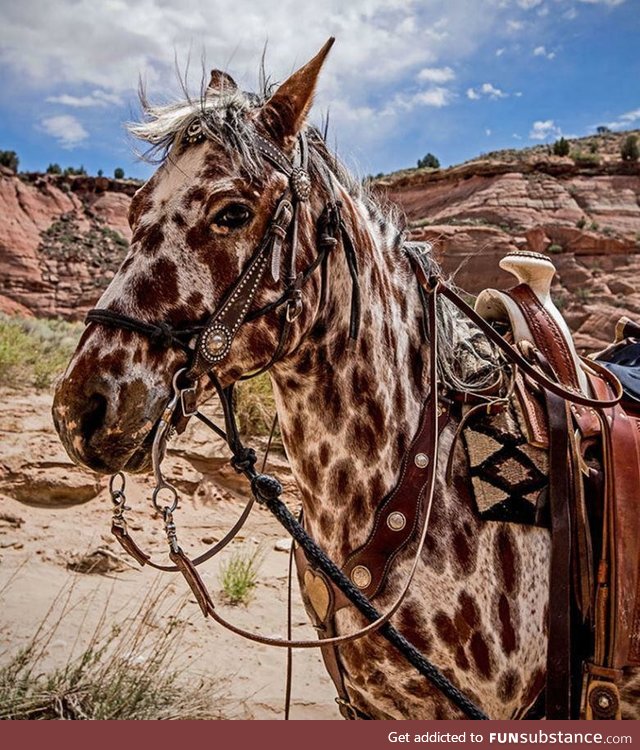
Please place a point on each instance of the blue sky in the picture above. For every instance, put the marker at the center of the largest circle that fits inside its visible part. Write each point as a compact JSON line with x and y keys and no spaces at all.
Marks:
{"x":454,"y":77}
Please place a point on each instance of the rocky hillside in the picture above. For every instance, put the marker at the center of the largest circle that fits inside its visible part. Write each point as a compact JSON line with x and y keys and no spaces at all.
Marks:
{"x":62,"y":237}
{"x":583,"y":210}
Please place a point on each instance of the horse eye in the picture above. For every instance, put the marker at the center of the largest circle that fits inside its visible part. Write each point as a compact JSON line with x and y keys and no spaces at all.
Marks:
{"x":234,"y":216}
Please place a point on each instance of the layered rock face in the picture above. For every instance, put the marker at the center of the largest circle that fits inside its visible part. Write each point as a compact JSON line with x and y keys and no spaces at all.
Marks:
{"x":62,"y":238}
{"x":585,"y":215}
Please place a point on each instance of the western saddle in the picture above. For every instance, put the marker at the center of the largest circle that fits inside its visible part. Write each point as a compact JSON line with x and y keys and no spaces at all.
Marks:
{"x":593,"y":498}
{"x":591,"y":501}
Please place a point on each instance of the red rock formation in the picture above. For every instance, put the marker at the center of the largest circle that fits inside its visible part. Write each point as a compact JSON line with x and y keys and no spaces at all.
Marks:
{"x":585,"y":216}
{"x":61,"y":238}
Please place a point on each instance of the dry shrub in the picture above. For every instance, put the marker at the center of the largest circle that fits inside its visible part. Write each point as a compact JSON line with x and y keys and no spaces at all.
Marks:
{"x":255,"y":405}
{"x":130,"y":670}
{"x":33,"y":352}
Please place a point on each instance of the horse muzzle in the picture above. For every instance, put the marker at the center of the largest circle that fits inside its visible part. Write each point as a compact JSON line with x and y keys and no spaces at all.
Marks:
{"x":107,"y":426}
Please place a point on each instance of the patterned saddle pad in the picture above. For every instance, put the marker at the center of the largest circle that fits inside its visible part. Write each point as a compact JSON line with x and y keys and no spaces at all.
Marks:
{"x":508,"y":475}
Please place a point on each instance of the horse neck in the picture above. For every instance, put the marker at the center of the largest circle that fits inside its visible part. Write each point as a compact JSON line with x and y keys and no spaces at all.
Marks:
{"x":348,"y":412}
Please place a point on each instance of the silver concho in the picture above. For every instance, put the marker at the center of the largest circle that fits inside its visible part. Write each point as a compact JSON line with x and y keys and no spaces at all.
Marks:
{"x":215,"y":345}
{"x":361,"y":576}
{"x":300,"y":184}
{"x":421,"y":460}
{"x":396,"y":521}
{"x":194,"y":133}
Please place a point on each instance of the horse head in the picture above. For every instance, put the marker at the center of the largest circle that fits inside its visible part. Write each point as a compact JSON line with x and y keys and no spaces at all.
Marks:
{"x":198,"y":224}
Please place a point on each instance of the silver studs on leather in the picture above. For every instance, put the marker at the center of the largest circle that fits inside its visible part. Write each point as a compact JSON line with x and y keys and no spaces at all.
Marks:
{"x":300,"y":184}
{"x":215,"y":345}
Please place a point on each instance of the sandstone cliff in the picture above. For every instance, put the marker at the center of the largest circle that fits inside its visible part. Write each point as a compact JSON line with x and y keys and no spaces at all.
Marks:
{"x":584,"y":211}
{"x":61,"y":238}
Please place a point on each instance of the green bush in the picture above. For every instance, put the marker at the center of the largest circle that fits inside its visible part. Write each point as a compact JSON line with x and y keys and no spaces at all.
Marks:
{"x":555,"y":249}
{"x":629,"y":150}
{"x":561,"y":147}
{"x":429,"y":161}
{"x":581,"y":223}
{"x":583,"y":293}
{"x":54,"y":169}
{"x":583,"y":159}
{"x":72,"y":171}
{"x":10,"y":160}
{"x":33,"y":352}
{"x":118,"y":173}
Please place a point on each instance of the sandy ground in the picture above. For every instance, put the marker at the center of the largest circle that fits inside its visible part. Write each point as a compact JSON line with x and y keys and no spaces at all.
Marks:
{"x":37,"y":542}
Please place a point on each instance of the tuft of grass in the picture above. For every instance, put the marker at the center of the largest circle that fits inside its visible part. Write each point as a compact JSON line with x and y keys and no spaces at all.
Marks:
{"x":555,"y":249}
{"x":34,"y":352}
{"x":560,"y":301}
{"x":239,"y":575}
{"x":583,"y":293}
{"x":255,"y":405}
{"x":129,"y":671}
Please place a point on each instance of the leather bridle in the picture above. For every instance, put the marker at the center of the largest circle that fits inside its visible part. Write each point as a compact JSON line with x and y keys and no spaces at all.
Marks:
{"x":209,"y":343}
{"x":216,"y":335}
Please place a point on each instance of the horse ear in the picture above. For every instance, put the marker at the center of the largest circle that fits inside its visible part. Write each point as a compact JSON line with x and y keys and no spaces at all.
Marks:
{"x":284,"y":114}
{"x":221,"y":83}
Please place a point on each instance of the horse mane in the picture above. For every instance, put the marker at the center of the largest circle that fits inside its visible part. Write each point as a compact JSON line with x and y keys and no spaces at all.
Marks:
{"x":467,"y":359}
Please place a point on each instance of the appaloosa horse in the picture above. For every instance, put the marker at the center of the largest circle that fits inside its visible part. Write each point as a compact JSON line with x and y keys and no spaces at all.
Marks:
{"x":348,"y":409}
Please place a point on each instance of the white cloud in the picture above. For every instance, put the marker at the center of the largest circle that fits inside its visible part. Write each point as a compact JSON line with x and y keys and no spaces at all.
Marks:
{"x":541,"y":130}
{"x":487,"y":131}
{"x":516,"y":136}
{"x":515,"y":25}
{"x":570,"y":14}
{"x":436,"y":75}
{"x":625,"y":120}
{"x":610,"y":3}
{"x":541,"y":51}
{"x":97,"y":98}
{"x":438,"y":96}
{"x":70,"y":48}
{"x":488,"y":90}
{"x":527,"y":4}
{"x":66,"y":129}
{"x":500,"y":52}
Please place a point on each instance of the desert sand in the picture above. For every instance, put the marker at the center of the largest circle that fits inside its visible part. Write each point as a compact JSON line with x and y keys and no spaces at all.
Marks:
{"x":55,"y":516}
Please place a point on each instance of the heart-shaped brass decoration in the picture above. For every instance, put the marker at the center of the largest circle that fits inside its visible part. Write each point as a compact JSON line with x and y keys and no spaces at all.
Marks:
{"x":318,"y":593}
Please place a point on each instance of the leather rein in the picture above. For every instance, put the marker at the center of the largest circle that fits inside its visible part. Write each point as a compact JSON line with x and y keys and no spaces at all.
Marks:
{"x":209,"y":343}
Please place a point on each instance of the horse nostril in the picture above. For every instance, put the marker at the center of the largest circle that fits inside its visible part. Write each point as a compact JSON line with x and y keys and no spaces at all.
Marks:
{"x":93,"y":418}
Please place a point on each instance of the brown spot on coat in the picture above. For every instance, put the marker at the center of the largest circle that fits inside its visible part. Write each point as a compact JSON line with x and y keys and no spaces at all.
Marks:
{"x":508,"y":636}
{"x":481,"y":654}
{"x":508,"y":685}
